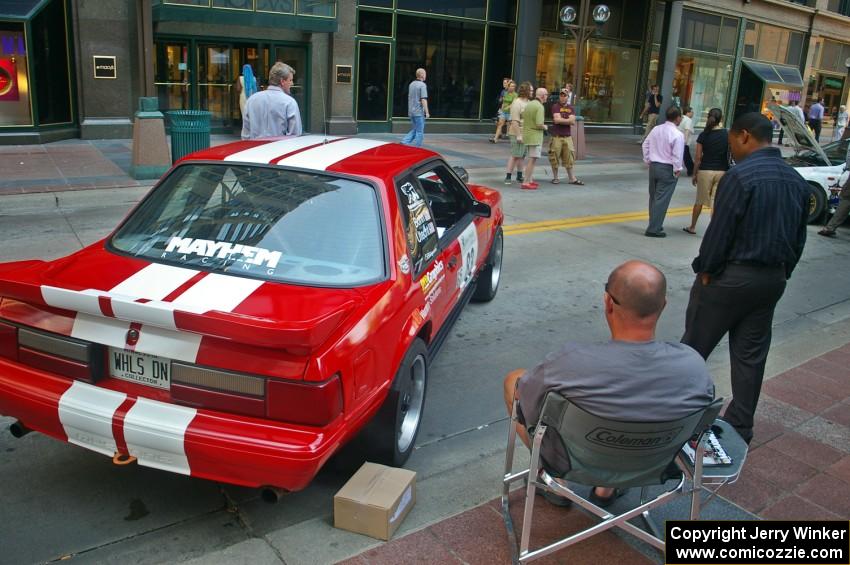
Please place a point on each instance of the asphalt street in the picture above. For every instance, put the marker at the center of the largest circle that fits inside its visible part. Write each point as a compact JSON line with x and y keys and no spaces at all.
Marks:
{"x":58,"y":501}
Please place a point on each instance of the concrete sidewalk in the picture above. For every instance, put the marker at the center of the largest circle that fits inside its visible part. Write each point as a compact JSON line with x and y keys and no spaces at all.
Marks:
{"x":798,"y":468}
{"x":88,"y":164}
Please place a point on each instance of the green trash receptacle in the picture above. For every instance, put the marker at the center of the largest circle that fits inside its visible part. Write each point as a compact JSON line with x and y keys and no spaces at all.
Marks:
{"x":190,"y":131}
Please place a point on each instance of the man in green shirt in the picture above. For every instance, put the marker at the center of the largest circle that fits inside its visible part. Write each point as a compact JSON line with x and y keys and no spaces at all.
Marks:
{"x":532,"y":134}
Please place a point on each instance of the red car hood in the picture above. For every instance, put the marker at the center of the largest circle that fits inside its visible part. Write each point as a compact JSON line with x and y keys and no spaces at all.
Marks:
{"x":97,"y":282}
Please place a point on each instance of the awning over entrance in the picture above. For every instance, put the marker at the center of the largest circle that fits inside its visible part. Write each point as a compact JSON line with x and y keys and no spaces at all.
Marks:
{"x":19,"y":9}
{"x":776,"y":74}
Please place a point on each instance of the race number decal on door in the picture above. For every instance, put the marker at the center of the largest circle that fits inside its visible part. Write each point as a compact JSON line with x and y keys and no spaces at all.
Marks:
{"x":469,"y":255}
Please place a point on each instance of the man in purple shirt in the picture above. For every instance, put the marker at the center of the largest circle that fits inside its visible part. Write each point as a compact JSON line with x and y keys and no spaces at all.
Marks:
{"x":816,"y":118}
{"x":663,"y":149}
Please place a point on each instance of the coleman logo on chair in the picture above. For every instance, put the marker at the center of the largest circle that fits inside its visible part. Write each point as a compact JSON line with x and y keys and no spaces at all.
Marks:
{"x":632,"y":440}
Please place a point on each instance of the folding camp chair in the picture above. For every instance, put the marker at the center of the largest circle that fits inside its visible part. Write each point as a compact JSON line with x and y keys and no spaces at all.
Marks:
{"x":609,"y":453}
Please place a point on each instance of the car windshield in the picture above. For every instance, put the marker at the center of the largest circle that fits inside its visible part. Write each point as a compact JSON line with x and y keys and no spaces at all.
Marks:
{"x":260,"y":222}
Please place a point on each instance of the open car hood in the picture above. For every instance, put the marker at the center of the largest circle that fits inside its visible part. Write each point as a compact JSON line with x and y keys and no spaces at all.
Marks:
{"x":798,"y":133}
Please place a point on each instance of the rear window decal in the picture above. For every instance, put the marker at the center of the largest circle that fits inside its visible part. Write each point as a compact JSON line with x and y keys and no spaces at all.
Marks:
{"x":235,"y":252}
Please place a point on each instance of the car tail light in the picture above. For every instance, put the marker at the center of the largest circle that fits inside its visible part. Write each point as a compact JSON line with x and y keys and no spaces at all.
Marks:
{"x":57,"y":354}
{"x":311,"y":404}
{"x":8,"y":341}
{"x":218,"y":390}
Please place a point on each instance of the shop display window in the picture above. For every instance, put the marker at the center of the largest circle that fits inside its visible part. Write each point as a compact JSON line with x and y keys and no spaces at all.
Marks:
{"x":450,"y":52}
{"x":610,"y":76}
{"x":702,"y":81}
{"x":14,"y":81}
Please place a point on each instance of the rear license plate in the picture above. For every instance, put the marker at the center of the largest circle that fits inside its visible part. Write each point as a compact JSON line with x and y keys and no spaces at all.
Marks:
{"x":140,"y":368}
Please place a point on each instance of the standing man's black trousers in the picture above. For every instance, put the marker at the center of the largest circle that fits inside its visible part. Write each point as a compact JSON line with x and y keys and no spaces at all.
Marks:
{"x":740,"y":301}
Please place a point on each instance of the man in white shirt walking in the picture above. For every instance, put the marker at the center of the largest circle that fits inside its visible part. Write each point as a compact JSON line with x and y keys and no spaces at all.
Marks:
{"x":273,"y":112}
{"x":686,"y":126}
{"x":663,"y":149}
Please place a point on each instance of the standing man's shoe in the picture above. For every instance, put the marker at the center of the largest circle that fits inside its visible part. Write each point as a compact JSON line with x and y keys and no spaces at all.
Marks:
{"x":826,"y":233}
{"x":655,"y":234}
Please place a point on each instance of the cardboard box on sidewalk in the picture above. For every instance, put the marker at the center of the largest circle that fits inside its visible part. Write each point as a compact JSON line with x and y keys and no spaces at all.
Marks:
{"x":375,"y":500}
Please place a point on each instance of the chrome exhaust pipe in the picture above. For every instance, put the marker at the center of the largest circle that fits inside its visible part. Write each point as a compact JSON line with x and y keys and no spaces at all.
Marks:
{"x":272,"y":495}
{"x":18,"y":429}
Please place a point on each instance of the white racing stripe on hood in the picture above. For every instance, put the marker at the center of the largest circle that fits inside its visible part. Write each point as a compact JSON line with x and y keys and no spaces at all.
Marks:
{"x":320,"y":158}
{"x":154,"y":282}
{"x":270,"y":151}
{"x":155,"y":433}
{"x":86,"y":413}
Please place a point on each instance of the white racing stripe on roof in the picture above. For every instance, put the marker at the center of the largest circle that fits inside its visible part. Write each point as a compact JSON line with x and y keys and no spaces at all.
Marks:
{"x":320,"y":158}
{"x":270,"y":151}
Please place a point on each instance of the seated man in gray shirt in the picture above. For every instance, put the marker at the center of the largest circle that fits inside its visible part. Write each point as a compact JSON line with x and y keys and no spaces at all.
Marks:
{"x":633,"y":377}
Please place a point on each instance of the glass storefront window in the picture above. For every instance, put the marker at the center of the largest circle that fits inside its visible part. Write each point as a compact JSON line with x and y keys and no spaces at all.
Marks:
{"x":462,"y":8}
{"x":279,"y":6}
{"x":14,"y":83}
{"x":771,"y":43}
{"x":50,"y":65}
{"x":610,"y":76}
{"x":708,"y":32}
{"x":234,"y":4}
{"x":500,"y":60}
{"x":324,"y":8}
{"x":189,"y":2}
{"x":450,"y":52}
{"x":702,"y":81}
{"x":833,"y":56}
{"x":376,"y":3}
{"x":610,"y":79}
{"x":373,"y":81}
{"x":374,"y":23}
{"x":503,"y":11}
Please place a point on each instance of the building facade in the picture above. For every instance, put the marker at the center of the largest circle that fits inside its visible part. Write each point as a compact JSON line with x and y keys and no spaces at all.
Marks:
{"x":72,"y":68}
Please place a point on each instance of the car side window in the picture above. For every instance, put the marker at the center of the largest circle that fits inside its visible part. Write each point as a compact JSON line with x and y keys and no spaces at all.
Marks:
{"x":418,"y":223}
{"x":448,"y":198}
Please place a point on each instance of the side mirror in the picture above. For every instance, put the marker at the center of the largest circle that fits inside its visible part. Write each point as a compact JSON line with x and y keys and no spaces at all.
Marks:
{"x":462,"y":173}
{"x":480,"y":209}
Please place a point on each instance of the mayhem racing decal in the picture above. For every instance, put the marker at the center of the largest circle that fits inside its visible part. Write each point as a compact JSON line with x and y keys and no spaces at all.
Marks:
{"x":469,"y":255}
{"x":188,"y":249}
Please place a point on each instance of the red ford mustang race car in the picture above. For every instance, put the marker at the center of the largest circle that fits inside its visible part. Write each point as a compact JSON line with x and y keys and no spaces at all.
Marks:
{"x":258,"y":308}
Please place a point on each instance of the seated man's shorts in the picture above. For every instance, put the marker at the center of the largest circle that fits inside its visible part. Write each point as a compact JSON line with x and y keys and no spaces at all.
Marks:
{"x":561,"y":149}
{"x":517,"y":148}
{"x":533,"y":151}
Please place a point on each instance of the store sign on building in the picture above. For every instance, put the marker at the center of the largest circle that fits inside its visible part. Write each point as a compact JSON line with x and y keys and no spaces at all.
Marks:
{"x":105,"y":66}
{"x":343,"y":74}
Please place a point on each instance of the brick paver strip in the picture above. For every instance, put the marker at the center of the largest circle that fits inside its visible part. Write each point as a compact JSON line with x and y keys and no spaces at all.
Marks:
{"x":841,"y":469}
{"x":806,"y":450}
{"x":795,"y":508}
{"x":827,"y":491}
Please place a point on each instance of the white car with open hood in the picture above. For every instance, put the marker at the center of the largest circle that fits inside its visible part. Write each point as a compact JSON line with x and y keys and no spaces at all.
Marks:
{"x":820,"y":165}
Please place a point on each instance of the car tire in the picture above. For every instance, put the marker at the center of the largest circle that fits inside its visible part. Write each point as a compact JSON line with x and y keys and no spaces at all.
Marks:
{"x":817,"y":202}
{"x":488,"y":279}
{"x":391,"y":434}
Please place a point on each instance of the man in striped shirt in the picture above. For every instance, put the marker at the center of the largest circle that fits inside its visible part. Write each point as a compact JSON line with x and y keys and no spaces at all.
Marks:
{"x":754,"y":241}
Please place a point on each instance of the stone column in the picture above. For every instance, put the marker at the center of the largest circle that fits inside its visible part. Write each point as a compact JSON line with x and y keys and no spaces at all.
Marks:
{"x":107,"y":27}
{"x":527,"y":36}
{"x":340,"y":96}
{"x":669,"y":50}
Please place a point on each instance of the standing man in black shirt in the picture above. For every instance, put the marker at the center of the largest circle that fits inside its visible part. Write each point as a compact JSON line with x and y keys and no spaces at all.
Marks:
{"x":754,"y":240}
{"x":651,"y":108}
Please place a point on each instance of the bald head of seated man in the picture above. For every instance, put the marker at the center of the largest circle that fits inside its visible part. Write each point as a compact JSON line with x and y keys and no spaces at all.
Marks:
{"x":632,"y":377}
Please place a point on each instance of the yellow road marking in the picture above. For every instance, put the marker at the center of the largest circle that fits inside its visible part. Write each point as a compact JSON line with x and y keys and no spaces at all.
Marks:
{"x":586,"y":221}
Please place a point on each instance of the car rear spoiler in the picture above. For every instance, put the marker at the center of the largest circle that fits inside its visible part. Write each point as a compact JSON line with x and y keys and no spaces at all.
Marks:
{"x":300,"y":336}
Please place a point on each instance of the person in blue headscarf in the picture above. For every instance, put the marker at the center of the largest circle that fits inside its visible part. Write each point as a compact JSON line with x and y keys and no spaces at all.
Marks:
{"x":246,"y":86}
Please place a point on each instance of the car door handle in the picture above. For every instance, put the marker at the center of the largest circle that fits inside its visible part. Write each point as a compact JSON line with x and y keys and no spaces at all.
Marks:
{"x":453,"y":263}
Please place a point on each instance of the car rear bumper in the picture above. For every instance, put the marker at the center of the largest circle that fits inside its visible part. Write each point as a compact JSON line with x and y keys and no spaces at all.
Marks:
{"x":218,"y":446}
